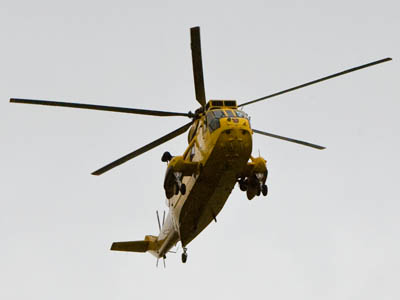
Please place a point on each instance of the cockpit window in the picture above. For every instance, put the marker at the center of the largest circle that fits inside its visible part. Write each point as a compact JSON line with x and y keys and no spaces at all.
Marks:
{"x":218,"y":113}
{"x":241,"y":114}
{"x":230,"y":113}
{"x":213,"y":119}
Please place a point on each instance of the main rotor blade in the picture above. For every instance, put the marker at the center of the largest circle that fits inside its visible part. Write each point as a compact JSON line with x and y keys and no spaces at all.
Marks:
{"x":289,"y":139}
{"x":144,"y":149}
{"x":318,"y":80}
{"x":197,"y":66}
{"x":101,"y":107}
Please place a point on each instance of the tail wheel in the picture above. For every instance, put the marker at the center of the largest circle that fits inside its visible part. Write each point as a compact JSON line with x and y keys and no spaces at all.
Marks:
{"x":184,"y":257}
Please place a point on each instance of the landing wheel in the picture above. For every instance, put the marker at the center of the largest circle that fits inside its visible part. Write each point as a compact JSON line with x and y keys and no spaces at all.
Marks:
{"x":184,"y":257}
{"x":176,"y":188}
{"x":183,"y":189}
{"x":264,"y":190}
{"x":243,"y":185}
{"x":258,"y":190}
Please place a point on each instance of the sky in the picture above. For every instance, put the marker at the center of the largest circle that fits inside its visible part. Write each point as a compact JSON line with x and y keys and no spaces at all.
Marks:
{"x":329,"y":228}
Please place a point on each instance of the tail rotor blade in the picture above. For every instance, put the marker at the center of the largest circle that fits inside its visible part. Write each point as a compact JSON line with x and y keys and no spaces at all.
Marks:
{"x":197,"y":66}
{"x":289,"y":139}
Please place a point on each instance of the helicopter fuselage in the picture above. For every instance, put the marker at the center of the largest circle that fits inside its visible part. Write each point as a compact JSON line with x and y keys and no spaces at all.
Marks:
{"x":222,"y":151}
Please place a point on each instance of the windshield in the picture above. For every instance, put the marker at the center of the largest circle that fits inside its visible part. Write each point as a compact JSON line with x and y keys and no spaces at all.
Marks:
{"x":213,"y":117}
{"x":241,"y":114}
{"x":218,"y":113}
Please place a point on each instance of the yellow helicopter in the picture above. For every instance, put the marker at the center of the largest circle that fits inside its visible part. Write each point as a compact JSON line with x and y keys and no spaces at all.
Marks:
{"x":198,"y":182}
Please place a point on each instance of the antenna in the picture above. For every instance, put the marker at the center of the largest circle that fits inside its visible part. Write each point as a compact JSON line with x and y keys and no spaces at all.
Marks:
{"x":159,"y":227}
{"x":158,"y":220}
{"x":163,"y":218}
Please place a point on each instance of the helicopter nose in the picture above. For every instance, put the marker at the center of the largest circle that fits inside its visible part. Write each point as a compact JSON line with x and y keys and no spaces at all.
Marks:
{"x":236,"y":138}
{"x":238,"y":134}
{"x":237,"y":127}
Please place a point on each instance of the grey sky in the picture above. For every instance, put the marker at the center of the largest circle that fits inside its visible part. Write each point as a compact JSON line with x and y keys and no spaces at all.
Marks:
{"x":329,"y":229}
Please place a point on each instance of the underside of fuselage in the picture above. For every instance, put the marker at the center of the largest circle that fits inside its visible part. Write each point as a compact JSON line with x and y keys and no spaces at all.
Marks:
{"x":211,"y":188}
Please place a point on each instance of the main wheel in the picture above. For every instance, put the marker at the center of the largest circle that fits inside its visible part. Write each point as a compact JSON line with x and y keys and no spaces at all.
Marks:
{"x":264,"y":189}
{"x":243,"y":185}
{"x":183,"y":189}
{"x":184,"y":257}
{"x":176,"y":188}
{"x":258,"y":190}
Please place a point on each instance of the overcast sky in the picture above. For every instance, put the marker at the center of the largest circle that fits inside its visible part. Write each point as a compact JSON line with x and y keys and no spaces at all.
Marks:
{"x":329,"y":228}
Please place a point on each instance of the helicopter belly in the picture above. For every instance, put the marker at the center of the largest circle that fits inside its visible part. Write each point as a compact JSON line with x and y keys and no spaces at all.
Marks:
{"x":211,"y":188}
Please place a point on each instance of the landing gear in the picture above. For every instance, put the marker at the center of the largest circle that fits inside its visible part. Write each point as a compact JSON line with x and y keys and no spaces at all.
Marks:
{"x":243,"y":184}
{"x":264,"y":190}
{"x":254,"y":185}
{"x":181,"y":187}
{"x":258,"y":190}
{"x":176,"y":188}
{"x":184,"y":255}
{"x":173,"y":184}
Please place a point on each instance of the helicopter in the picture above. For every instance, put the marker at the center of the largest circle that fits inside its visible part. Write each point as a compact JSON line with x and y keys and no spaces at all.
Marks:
{"x":198,"y":183}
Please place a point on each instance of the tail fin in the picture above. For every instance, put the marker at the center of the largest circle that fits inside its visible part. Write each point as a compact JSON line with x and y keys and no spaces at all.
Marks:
{"x":137,"y":246}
